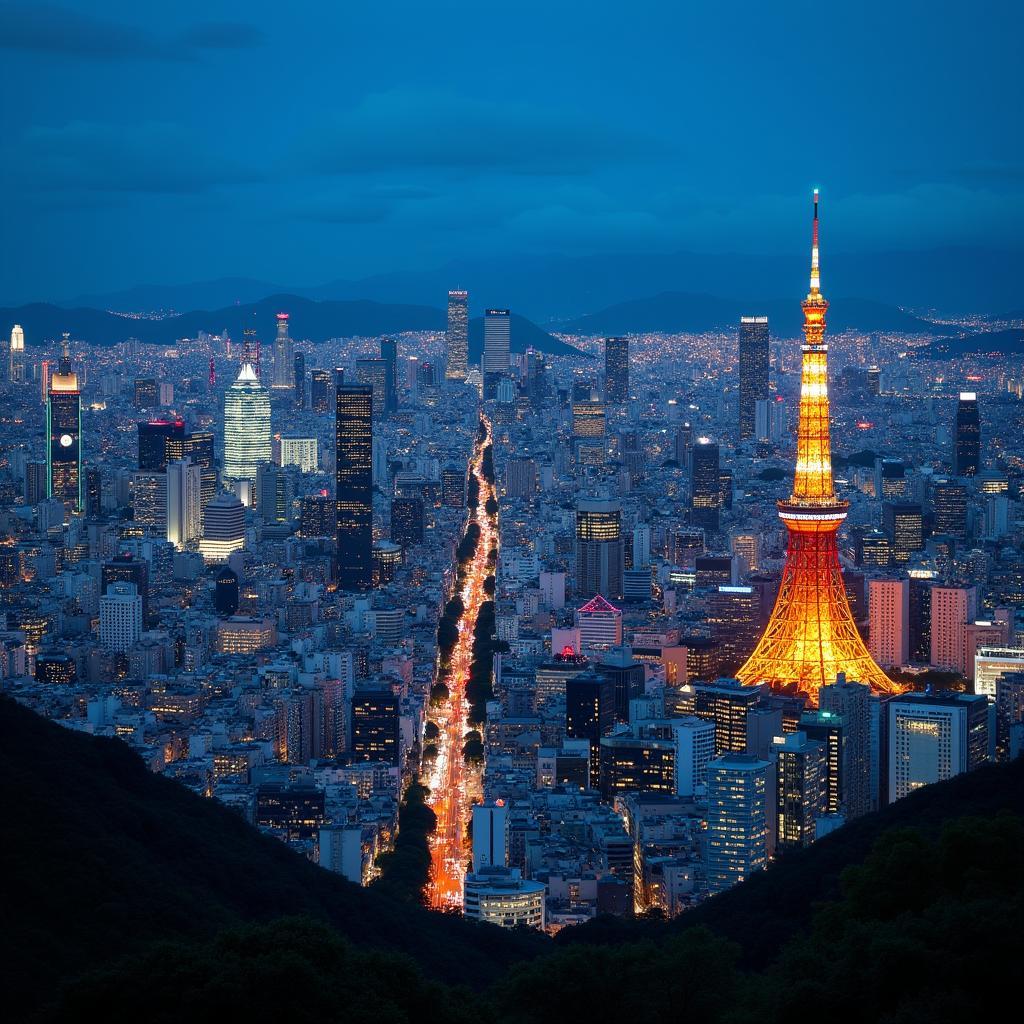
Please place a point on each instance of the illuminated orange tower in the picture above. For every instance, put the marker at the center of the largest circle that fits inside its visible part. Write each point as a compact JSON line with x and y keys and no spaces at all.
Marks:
{"x":811,"y":635}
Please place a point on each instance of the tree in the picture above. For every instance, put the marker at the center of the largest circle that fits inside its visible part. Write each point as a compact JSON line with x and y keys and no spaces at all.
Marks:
{"x":491,"y":506}
{"x":431,"y":731}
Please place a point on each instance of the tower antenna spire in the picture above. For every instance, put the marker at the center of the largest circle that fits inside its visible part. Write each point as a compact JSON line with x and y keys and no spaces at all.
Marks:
{"x":815,"y":270}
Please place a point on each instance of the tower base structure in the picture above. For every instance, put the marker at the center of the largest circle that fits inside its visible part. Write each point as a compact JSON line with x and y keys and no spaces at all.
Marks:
{"x":811,"y":636}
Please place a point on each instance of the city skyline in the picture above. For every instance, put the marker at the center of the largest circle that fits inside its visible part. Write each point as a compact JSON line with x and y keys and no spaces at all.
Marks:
{"x":552,"y":556}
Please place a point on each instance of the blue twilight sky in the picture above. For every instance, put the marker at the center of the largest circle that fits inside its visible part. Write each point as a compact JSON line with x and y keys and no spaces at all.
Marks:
{"x":306,"y":141}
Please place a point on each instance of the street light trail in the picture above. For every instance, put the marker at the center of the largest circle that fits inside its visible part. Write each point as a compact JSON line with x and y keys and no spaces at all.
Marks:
{"x":449,"y":780}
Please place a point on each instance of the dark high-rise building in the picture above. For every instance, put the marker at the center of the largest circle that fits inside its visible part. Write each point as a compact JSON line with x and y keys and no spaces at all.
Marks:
{"x":154,"y":437}
{"x":753,"y":369}
{"x":967,"y":457}
{"x":294,"y":808}
{"x":354,"y":486}
{"x":590,"y":714}
{"x":727,"y":703}
{"x":457,"y":338}
{"x":127,"y":569}
{"x":35,"y":482}
{"x":300,"y":380}
{"x":453,"y":486}
{"x":317,"y":516}
{"x":198,"y":447}
{"x":799,"y":786}
{"x":734,"y":613}
{"x":874,"y":379}
{"x":56,"y":669}
{"x":626,"y":676}
{"x":93,"y":493}
{"x":921,"y":620}
{"x":407,"y":521}
{"x":829,"y":729}
{"x":852,"y":703}
{"x":225,"y":593}
{"x":64,"y":435}
{"x":616,"y":370}
{"x":320,"y":390}
{"x":706,"y":485}
{"x":374,"y":373}
{"x":637,"y":764}
{"x":904,"y":526}
{"x":147,"y":394}
{"x":375,"y":726}
{"x":497,"y":341}
{"x":389,"y":353}
{"x":599,"y":548}
{"x":949,"y":507}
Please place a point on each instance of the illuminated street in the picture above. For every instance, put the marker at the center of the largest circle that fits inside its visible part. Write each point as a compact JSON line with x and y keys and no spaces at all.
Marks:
{"x":452,"y":783}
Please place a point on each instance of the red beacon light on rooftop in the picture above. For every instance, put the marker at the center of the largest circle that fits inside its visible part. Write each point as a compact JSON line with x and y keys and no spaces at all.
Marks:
{"x":568,"y":651}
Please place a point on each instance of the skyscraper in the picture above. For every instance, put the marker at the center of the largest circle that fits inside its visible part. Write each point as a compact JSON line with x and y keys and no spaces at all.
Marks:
{"x":457,"y":338}
{"x":799,"y":788}
{"x":284,"y":356}
{"x":120,"y":617}
{"x":811,"y":636}
{"x":497,"y":340}
{"x":246,"y":426}
{"x":889,"y":621}
{"x":852,"y":703}
{"x":407,"y":521}
{"x":354,"y":493}
{"x":967,"y":457}
{"x":740,"y":812}
{"x":374,"y":372}
{"x":389,"y":355}
{"x":590,"y":714}
{"x":320,"y":390}
{"x":705,"y":485}
{"x":753,"y":369}
{"x":153,"y":442}
{"x":16,"y":356}
{"x":184,"y":508}
{"x":223,"y":528}
{"x":616,"y":370}
{"x":300,"y":380}
{"x":64,"y":435}
{"x":599,"y":548}
{"x":903,"y":523}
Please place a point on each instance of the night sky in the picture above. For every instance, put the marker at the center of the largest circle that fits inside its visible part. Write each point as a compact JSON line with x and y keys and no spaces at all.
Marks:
{"x":301,"y":142}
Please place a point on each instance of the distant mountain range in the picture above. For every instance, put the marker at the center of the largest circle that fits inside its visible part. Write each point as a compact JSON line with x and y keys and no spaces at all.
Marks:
{"x":999,"y":343}
{"x":311,"y":320}
{"x":543,"y":288}
{"x":681,"y":311}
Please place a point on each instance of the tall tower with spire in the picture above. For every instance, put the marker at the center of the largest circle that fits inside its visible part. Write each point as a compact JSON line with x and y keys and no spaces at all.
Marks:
{"x":64,"y":434}
{"x":811,"y":636}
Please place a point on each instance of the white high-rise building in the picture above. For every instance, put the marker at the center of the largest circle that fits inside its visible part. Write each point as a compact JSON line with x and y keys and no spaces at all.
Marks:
{"x":497,"y":340}
{"x":284,"y":356}
{"x":223,"y":528}
{"x":16,"y":360}
{"x":933,"y":738}
{"x":120,"y":617}
{"x":992,"y":663}
{"x":695,"y":748}
{"x":503,"y":897}
{"x":889,"y":621}
{"x":247,"y":441}
{"x":303,"y":452}
{"x":184,"y":502}
{"x":490,"y":835}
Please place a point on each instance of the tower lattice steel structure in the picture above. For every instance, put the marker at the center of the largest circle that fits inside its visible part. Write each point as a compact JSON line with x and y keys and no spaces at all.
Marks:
{"x":811,"y":636}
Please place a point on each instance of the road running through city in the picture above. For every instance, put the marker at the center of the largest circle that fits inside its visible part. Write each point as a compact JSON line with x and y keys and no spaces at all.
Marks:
{"x":453,"y":784}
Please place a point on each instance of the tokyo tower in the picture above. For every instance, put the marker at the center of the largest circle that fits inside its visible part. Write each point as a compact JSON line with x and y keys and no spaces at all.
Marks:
{"x":811,"y":635}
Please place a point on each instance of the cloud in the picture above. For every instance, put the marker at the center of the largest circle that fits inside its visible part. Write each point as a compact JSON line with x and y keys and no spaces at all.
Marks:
{"x":86,"y":156}
{"x":399,"y":129}
{"x":46,"y":28}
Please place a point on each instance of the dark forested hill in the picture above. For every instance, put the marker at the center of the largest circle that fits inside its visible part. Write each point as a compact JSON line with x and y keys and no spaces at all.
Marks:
{"x":126,"y":897}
